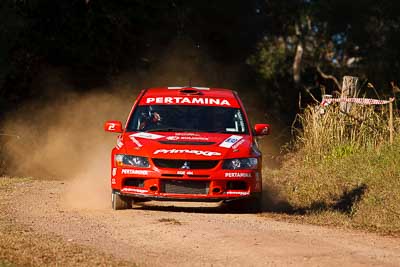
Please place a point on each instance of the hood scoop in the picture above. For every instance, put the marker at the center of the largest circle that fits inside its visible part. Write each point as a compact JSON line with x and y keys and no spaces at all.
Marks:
{"x":194,"y":143}
{"x":190,"y":91}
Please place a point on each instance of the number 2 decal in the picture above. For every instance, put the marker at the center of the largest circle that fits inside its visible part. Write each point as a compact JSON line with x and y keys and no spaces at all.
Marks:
{"x":111,"y":127}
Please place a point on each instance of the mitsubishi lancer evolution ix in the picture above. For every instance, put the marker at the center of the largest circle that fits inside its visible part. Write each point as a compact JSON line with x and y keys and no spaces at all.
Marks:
{"x":186,"y":144}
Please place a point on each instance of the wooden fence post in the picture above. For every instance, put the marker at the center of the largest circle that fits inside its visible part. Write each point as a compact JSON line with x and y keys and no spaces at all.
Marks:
{"x":391,"y":121}
{"x":350,"y":88}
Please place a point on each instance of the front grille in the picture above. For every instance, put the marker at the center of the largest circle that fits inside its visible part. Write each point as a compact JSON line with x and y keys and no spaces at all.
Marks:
{"x":198,"y":176}
{"x":134,"y":182}
{"x":185,"y":187}
{"x":181,"y":175}
{"x":178,"y":163}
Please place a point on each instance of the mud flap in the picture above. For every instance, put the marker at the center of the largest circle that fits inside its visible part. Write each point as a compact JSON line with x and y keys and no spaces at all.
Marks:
{"x":119,"y":202}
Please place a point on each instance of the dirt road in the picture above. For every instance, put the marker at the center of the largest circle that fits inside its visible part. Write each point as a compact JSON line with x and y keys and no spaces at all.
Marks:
{"x":170,"y":236}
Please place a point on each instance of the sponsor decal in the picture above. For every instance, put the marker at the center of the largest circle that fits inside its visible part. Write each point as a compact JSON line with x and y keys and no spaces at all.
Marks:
{"x":187,"y":151}
{"x":133,"y":171}
{"x":235,"y":146}
{"x":230,"y":141}
{"x":241,"y":121}
{"x":237,"y":193}
{"x":172,"y":137}
{"x":187,"y":138}
{"x":184,"y":172}
{"x":146,"y":135}
{"x":265,"y":130}
{"x":137,"y":143}
{"x":134,"y":190}
{"x":113,"y":181}
{"x":120,"y":144}
{"x":114,"y":171}
{"x":188,"y":100}
{"x":238,"y":174}
{"x":111,"y":126}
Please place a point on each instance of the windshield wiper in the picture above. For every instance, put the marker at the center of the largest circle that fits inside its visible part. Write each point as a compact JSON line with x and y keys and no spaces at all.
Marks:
{"x":217,"y":131}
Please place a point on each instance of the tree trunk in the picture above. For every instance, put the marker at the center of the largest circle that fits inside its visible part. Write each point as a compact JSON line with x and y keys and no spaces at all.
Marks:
{"x":297,"y":63}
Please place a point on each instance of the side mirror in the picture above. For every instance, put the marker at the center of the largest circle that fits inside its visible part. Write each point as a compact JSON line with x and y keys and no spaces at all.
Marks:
{"x":113,"y":126}
{"x":262,"y":129}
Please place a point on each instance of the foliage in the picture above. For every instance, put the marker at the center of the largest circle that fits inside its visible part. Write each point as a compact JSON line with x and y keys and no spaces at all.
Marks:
{"x":327,"y":132}
{"x":345,"y":171}
{"x":94,"y":40}
{"x":340,"y":37}
{"x":272,"y":59}
{"x":12,"y":23}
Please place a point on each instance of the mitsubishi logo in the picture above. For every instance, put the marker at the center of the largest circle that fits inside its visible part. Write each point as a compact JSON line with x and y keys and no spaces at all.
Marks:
{"x":186,"y":166}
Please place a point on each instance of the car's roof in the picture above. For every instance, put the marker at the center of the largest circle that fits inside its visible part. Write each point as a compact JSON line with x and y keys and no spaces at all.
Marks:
{"x":177,"y":91}
{"x":189,"y":96}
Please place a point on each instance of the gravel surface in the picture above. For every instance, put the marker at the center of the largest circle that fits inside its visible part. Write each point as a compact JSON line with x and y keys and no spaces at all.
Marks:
{"x":176,"y":235}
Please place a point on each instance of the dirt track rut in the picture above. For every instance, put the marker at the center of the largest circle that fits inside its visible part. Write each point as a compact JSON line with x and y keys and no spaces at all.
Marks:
{"x":170,"y":236}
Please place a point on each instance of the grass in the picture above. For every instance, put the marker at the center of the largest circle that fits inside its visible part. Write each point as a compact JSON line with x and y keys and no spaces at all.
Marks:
{"x":5,"y":264}
{"x":6,"y":182}
{"x":330,"y":132}
{"x":341,"y":175}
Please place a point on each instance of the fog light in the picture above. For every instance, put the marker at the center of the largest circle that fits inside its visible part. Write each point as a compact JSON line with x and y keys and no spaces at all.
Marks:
{"x":153,"y":188}
{"x":216,"y":190}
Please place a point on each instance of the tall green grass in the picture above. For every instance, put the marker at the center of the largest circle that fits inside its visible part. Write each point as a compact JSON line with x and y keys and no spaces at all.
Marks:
{"x":325,"y":131}
{"x":344,"y":170}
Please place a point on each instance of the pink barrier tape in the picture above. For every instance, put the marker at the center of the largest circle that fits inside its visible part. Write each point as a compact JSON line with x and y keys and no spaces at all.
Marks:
{"x":362,"y":101}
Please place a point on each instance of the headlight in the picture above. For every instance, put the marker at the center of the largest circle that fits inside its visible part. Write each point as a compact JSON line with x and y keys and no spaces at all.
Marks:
{"x":129,"y":160}
{"x":240,"y":164}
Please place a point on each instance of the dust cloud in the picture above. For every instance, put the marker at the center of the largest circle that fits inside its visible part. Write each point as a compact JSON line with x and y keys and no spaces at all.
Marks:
{"x":62,"y":138}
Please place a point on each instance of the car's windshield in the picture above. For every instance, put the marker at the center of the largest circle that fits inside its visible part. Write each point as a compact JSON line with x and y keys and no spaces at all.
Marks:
{"x":187,"y":119}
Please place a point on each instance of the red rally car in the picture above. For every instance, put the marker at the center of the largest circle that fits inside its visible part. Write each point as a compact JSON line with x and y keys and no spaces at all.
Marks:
{"x":188,"y":144}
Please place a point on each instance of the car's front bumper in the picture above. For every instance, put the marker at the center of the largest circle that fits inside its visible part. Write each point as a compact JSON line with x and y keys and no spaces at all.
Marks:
{"x":193,"y":198}
{"x":163,"y":186}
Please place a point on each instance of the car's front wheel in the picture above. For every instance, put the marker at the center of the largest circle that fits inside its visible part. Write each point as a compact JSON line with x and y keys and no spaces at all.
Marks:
{"x":118,"y":202}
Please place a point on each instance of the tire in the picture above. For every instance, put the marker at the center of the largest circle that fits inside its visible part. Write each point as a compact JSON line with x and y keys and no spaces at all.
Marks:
{"x":249,"y":205}
{"x":119,"y":203}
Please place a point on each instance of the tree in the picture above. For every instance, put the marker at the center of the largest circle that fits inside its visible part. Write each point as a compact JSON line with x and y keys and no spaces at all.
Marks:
{"x":304,"y":38}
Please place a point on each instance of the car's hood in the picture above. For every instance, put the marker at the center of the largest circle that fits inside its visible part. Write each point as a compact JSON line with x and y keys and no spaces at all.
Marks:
{"x":185,"y":145}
